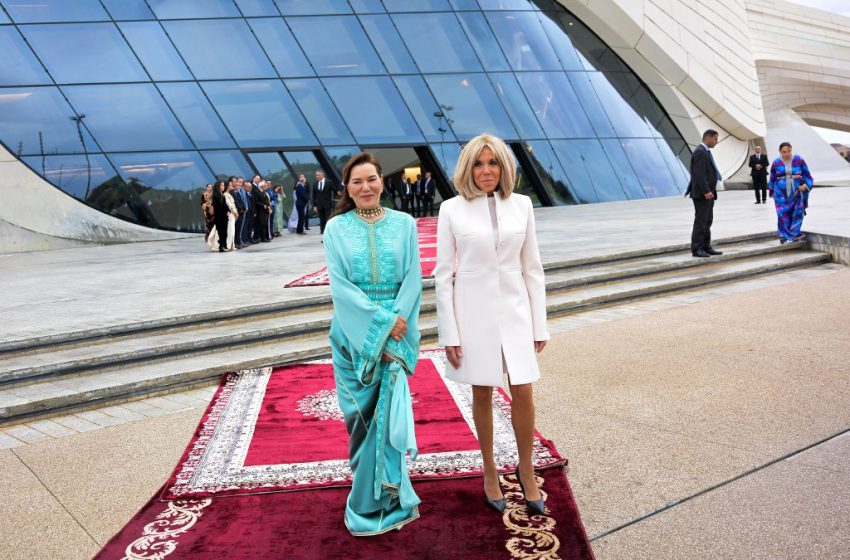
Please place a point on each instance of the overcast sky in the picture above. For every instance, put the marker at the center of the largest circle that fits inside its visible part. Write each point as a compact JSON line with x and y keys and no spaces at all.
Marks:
{"x":837,"y":6}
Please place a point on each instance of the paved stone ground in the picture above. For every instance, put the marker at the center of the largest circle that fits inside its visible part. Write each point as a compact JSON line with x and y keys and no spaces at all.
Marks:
{"x":667,"y":400}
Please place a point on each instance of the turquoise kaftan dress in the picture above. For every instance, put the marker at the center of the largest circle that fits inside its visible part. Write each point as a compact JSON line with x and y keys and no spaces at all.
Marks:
{"x":375,"y":276}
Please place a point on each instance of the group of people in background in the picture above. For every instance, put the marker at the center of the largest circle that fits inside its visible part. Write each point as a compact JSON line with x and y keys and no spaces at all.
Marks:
{"x":414,"y":197}
{"x":788,"y":182}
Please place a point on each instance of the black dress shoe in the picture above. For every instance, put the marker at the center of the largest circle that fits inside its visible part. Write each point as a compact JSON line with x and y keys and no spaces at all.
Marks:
{"x":498,"y":505}
{"x":700,"y":253}
{"x":711,"y":251}
{"x":534,"y":506}
{"x":782,"y":241}
{"x":757,"y":202}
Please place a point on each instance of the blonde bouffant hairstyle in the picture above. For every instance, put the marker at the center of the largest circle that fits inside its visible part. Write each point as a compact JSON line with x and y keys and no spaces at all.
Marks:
{"x":469,"y":154}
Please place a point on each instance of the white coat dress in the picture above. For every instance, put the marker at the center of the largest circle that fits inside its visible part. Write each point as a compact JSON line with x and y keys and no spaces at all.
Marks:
{"x":490,"y":300}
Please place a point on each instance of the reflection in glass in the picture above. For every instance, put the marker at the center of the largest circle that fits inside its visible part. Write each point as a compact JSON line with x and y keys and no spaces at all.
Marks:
{"x":312,"y":7}
{"x":551,"y":173}
{"x":227,"y":163}
{"x":627,"y":122}
{"x":649,"y":165}
{"x":169,"y":184}
{"x":516,"y":104}
{"x":196,"y":114}
{"x":38,"y":121}
{"x":387,"y":119}
{"x":178,"y":9}
{"x":593,"y":53}
{"x":216,"y":49}
{"x":339,"y":156}
{"x":259,"y":113}
{"x":73,"y":175}
{"x":416,"y":5}
{"x":523,"y":40}
{"x":155,"y":51}
{"x":444,"y":47}
{"x":679,"y":172}
{"x":84,"y":52}
{"x":481,"y":37}
{"x":556,"y":105}
{"x":31,"y":11}
{"x":424,"y":108}
{"x":253,"y":8}
{"x":592,"y":106}
{"x":592,"y":177}
{"x":336,"y":46}
{"x":471,"y":105}
{"x":465,"y":4}
{"x":128,"y":117}
{"x":447,"y":154}
{"x":313,"y":100}
{"x":389,"y":44}
{"x":280,"y":45}
{"x":128,"y":9}
{"x":623,"y":168}
{"x":561,"y":42}
{"x":506,"y":5}
{"x":367,"y":6}
{"x":17,"y":64}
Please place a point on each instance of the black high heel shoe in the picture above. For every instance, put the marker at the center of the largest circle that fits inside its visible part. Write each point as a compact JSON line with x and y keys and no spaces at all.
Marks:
{"x":500,"y":504}
{"x":535,"y":506}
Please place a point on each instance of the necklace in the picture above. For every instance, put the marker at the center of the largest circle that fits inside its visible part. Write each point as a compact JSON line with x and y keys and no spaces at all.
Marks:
{"x":370,"y":213}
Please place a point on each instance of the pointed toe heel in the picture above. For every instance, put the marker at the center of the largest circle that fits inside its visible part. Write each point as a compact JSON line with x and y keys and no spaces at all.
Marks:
{"x":534,"y":506}
{"x":498,"y":505}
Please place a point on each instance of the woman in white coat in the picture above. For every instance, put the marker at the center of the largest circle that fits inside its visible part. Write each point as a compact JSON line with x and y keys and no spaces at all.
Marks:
{"x":491,"y":300}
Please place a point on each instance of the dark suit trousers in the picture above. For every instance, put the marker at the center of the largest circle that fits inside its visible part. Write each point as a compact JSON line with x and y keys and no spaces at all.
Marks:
{"x":302,"y":218}
{"x":703,"y":216}
{"x":324,"y":216}
{"x":428,"y":205}
{"x":405,"y":203}
{"x":221,"y":228}
{"x":760,"y":184}
{"x":238,"y":236}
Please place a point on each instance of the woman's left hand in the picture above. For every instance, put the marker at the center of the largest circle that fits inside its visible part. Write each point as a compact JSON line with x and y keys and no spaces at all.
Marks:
{"x":803,"y":187}
{"x":539,"y":345}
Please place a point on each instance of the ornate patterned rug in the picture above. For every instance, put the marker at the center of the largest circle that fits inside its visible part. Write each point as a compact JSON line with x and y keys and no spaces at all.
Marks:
{"x":271,"y":432}
{"x":427,"y":233}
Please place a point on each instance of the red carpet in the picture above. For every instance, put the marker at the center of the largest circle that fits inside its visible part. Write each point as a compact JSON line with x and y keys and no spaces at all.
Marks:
{"x":269,"y":433}
{"x":427,"y":230}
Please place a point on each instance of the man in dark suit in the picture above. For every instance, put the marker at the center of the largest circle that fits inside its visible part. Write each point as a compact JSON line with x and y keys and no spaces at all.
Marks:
{"x":262,"y":208}
{"x":417,"y":196}
{"x":250,"y":215}
{"x":703,"y":191}
{"x":302,"y":200}
{"x":758,"y":171}
{"x":405,"y":193}
{"x":323,"y":199}
{"x":389,"y":191}
{"x":427,"y":191}
{"x":239,"y":201}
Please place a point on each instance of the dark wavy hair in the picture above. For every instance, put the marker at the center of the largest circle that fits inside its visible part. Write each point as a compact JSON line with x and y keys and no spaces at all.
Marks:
{"x":346,"y":203}
{"x":782,"y":145}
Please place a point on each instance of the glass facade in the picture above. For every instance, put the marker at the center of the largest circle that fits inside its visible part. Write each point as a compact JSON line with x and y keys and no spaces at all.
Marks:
{"x":132,"y":106}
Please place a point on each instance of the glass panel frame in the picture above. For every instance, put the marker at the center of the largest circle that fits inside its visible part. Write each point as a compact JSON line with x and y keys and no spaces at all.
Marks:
{"x":197,"y":116}
{"x":523,"y":41}
{"x":281,"y":47}
{"x":424,"y":108}
{"x":186,"y":9}
{"x":447,"y":48}
{"x":123,"y":10}
{"x":348,"y":54}
{"x":154,"y":49}
{"x":227,"y":163}
{"x":388,"y":43}
{"x":49,"y":11}
{"x":473,"y":96}
{"x":18,"y":65}
{"x":316,"y":106}
{"x":556,"y":105}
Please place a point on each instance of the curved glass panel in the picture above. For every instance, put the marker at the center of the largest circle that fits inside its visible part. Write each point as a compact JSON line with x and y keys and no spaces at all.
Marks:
{"x":38,"y":120}
{"x":347,"y":53}
{"x":424,"y":108}
{"x":389,"y":44}
{"x":313,"y":100}
{"x":154,"y":49}
{"x":446,"y":48}
{"x":220,"y":49}
{"x":470,"y":105}
{"x":18,"y":65}
{"x":386,"y":121}
{"x":128,"y":9}
{"x":128,"y":117}
{"x":481,"y":37}
{"x":179,"y":9}
{"x":312,"y":7}
{"x":38,"y":11}
{"x":280,"y":46}
{"x":259,"y":113}
{"x":261,"y":78}
{"x":227,"y":163}
{"x":84,"y":53}
{"x":196,"y":115}
{"x":254,"y":8}
{"x":169,"y":184}
{"x":523,"y":40}
{"x":556,"y":105}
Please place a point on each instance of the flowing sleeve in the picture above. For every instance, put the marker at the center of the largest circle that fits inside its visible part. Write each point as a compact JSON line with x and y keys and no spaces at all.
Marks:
{"x":365,"y":325}
{"x":807,"y":176}
{"x":407,"y":302}
{"x":444,"y":278}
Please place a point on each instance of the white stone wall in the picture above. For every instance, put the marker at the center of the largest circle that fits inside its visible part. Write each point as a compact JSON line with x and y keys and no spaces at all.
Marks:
{"x":35,"y":215}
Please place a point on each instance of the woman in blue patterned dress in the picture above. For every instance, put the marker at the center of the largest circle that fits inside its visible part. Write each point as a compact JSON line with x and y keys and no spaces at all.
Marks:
{"x":789,"y":185}
{"x":372,"y":255}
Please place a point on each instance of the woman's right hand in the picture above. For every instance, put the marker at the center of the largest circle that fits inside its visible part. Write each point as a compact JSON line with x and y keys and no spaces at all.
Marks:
{"x":454,"y":354}
{"x":399,"y":329}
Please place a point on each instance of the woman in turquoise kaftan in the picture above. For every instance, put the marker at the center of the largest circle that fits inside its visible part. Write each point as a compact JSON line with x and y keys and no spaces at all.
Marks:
{"x":375,"y":278}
